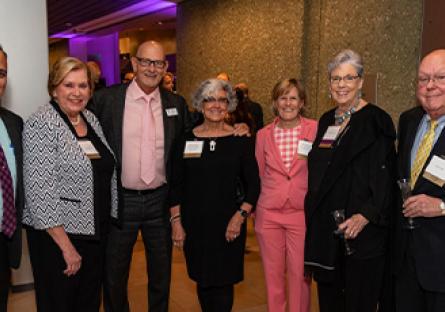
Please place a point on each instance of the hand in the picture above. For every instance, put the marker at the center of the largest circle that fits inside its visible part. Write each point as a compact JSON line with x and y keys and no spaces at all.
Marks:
{"x":178,"y":234}
{"x":73,"y":261}
{"x":353,"y":226}
{"x":241,"y":129}
{"x":234,"y":227}
{"x":422,"y":206}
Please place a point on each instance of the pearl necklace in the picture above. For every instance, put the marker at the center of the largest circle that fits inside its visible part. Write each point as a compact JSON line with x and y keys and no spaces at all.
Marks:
{"x":76,"y":122}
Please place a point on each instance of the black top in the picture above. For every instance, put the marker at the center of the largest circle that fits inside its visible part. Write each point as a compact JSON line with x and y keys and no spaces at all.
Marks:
{"x":102,"y":174}
{"x":209,"y":202}
{"x":357,"y":175}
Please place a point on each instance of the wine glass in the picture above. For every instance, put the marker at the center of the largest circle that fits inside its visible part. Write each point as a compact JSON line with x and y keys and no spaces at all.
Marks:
{"x":339,"y":217}
{"x":405,"y":190}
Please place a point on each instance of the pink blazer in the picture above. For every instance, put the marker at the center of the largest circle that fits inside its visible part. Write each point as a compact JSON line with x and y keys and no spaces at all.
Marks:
{"x":277,"y":183}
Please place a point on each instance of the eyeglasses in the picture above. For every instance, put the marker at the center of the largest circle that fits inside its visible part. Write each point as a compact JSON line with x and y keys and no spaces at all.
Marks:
{"x":145,"y":62}
{"x":424,"y":80}
{"x":221,"y":100}
{"x":348,"y":79}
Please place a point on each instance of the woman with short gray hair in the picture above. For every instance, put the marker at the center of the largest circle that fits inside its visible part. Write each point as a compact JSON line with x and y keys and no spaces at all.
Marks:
{"x":350,"y":186}
{"x":215,"y":166}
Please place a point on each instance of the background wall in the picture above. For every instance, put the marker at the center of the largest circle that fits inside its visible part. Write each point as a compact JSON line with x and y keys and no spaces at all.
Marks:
{"x":262,"y":41}
{"x":255,"y":41}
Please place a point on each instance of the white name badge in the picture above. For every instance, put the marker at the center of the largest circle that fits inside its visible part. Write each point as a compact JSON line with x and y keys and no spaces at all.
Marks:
{"x":88,"y":149}
{"x":435,"y":171}
{"x":193,"y":149}
{"x":304,"y":147}
{"x":171,"y":112}
{"x":330,"y":136}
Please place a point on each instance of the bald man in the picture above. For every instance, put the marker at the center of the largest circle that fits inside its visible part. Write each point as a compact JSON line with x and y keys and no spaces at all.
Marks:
{"x":142,"y":123}
{"x":420,"y":252}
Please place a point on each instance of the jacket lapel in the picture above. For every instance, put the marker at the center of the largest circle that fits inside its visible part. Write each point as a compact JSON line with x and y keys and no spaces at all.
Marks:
{"x":278,"y":163}
{"x":118,"y":119}
{"x":410,"y":136}
{"x":169,"y":124}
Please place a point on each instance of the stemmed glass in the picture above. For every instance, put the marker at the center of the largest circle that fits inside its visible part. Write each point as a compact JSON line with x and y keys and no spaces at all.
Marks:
{"x":405,"y":190}
{"x":339,"y":217}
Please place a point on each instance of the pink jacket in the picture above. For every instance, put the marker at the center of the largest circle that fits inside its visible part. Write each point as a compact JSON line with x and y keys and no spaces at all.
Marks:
{"x":277,"y":183}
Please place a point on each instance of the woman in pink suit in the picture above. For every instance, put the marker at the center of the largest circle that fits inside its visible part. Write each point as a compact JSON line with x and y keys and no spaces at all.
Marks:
{"x":281,"y":151}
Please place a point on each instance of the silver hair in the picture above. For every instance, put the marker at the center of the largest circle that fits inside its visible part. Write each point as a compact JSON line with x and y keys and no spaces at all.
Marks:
{"x":209,"y":88}
{"x":3,"y":51}
{"x":347,"y":57}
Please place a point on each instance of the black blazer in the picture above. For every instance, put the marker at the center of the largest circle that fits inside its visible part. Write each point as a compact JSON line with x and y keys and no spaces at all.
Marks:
{"x":356,"y":175}
{"x":429,"y":238}
{"x":108,"y":105}
{"x":14,"y":126}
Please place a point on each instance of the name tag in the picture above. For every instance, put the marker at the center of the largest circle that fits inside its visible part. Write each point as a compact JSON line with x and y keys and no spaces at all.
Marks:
{"x":193,"y":149}
{"x":171,"y":112}
{"x":435,"y":171}
{"x":303,"y":149}
{"x":88,"y":149}
{"x":330,"y":136}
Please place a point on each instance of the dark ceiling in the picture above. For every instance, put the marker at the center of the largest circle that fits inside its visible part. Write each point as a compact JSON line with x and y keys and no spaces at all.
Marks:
{"x":61,"y":12}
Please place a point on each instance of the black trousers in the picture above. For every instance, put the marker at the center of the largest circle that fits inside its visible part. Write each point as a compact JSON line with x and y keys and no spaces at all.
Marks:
{"x":146,"y":213}
{"x":56,"y":292}
{"x":356,"y":286}
{"x":410,"y":296}
{"x":215,"y":298}
{"x":5,"y":273}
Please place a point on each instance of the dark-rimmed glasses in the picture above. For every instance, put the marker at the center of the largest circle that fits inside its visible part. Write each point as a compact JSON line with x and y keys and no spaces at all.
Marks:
{"x":348,"y":79}
{"x":146,"y":62}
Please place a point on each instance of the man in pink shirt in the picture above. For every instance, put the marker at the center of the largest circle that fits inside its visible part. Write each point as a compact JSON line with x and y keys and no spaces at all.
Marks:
{"x":142,"y":122}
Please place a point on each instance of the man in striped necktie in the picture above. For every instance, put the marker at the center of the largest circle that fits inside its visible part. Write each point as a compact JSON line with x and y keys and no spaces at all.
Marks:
{"x":11,"y":189}
{"x":420,"y":251}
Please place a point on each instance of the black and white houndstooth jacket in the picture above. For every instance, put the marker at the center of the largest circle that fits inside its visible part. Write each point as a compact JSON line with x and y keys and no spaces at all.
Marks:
{"x":58,"y":177}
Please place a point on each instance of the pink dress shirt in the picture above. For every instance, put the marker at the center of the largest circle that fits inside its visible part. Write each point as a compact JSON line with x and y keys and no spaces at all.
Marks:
{"x":135,"y":101}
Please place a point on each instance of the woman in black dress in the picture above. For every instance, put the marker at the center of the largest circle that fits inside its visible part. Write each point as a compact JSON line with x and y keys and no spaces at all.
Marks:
{"x":350,"y":170}
{"x":215,"y":166}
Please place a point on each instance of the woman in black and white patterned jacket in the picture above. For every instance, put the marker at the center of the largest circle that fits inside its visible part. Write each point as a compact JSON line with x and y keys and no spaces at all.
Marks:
{"x":70,"y":193}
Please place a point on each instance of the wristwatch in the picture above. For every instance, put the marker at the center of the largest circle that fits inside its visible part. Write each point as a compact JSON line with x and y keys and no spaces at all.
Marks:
{"x":442,"y":208}
{"x":245,"y":213}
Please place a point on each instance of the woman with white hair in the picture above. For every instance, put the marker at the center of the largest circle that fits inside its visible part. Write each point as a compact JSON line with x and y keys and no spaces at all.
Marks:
{"x":350,"y":186}
{"x":215,"y":167}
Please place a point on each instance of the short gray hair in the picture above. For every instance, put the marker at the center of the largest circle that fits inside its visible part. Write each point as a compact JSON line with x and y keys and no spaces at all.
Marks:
{"x":3,"y":51}
{"x":209,"y":88}
{"x":347,"y":57}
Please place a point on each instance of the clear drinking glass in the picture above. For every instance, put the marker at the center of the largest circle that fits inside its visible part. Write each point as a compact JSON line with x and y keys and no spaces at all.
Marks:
{"x":339,"y":217}
{"x":405,"y":190}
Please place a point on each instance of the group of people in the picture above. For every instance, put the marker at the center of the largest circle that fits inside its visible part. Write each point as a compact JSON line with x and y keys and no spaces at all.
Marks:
{"x":88,"y":171}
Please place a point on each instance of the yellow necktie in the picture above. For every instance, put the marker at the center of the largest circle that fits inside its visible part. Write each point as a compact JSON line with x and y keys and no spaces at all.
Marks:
{"x":423,"y":152}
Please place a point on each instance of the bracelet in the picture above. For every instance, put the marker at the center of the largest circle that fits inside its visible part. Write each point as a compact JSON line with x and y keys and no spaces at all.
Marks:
{"x":175,"y":217}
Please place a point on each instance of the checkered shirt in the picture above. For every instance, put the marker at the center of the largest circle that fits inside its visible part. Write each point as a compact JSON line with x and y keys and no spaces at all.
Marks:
{"x":287,"y":143}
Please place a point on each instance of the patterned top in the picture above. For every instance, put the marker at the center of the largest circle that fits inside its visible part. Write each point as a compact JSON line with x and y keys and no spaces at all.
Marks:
{"x":287,"y":143}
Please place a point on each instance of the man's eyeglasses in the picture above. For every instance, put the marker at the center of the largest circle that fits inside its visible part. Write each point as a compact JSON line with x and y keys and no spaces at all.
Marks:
{"x":221,"y":100}
{"x":348,"y":79}
{"x":145,"y":62}
{"x":424,"y":80}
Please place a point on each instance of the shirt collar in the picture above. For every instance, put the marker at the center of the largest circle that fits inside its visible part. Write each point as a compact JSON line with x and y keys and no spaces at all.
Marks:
{"x":135,"y":92}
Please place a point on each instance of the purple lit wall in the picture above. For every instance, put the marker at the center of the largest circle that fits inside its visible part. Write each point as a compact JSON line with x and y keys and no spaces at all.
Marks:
{"x":104,"y":50}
